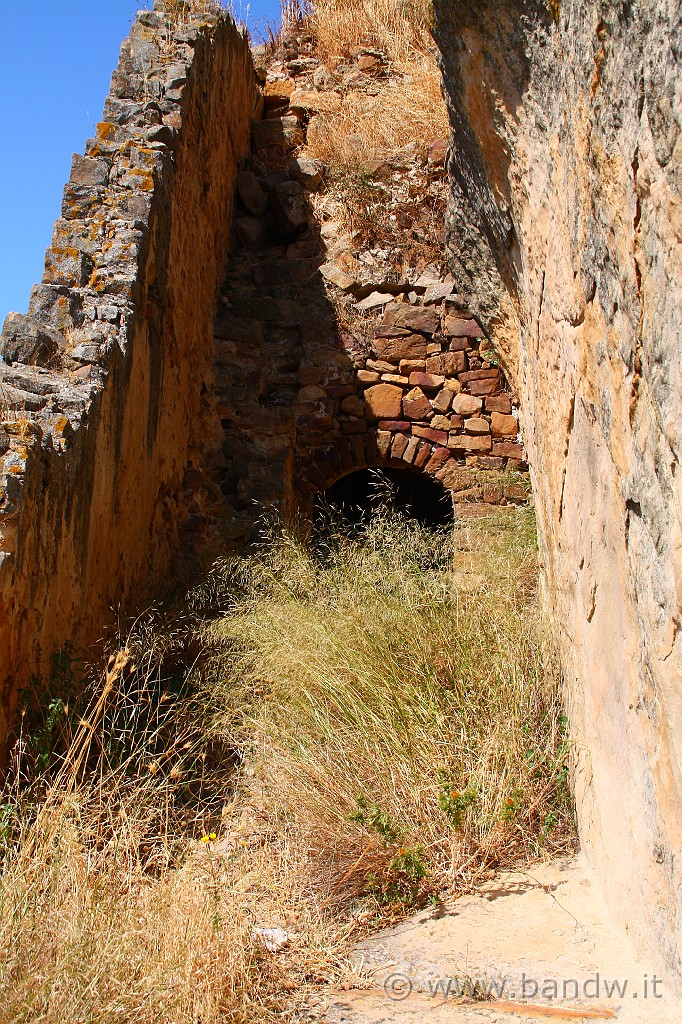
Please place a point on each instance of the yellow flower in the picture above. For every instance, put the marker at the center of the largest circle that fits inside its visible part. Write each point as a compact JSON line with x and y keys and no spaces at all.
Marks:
{"x":205,"y":839}
{"x":212,"y":835}
{"x":455,"y":794}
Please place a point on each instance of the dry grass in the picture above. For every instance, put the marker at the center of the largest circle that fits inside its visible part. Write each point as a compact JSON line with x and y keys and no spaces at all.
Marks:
{"x":409,"y":106}
{"x":390,"y":676}
{"x":408,"y":109}
{"x":345,"y":736}
{"x":400,"y":29}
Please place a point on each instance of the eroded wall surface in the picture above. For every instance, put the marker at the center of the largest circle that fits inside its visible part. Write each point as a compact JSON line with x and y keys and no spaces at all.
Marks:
{"x":105,"y":385}
{"x":565,"y":223}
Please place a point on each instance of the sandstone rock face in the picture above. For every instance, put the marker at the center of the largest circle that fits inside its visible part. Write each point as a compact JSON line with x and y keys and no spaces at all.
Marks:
{"x":565,"y":225}
{"x":108,"y":383}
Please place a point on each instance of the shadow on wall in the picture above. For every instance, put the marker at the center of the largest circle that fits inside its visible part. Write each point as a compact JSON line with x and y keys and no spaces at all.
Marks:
{"x":311,"y":384}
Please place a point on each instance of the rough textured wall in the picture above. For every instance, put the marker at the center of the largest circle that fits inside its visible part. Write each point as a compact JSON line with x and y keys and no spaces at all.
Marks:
{"x":565,"y":225}
{"x":105,"y":385}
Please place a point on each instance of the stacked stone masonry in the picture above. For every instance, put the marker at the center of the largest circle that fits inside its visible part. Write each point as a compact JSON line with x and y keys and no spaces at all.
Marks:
{"x":142,"y":419}
{"x":105,"y":384}
{"x":404,"y":377}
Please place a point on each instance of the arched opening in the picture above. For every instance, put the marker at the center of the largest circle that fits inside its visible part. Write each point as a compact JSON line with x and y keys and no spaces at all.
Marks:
{"x":358,"y":494}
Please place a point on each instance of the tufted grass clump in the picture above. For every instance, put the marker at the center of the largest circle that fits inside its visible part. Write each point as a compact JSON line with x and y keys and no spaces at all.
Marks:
{"x":400,"y":692}
{"x":316,"y":740}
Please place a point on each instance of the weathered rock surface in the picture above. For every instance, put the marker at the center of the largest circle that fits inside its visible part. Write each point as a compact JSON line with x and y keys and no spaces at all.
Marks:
{"x":91,"y":482}
{"x":565,"y":227}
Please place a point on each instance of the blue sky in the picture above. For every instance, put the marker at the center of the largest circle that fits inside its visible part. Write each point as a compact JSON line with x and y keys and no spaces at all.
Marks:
{"x":57,"y":60}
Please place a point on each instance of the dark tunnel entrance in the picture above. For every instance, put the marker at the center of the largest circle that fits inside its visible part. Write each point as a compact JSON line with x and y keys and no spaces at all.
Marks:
{"x":364,"y":491}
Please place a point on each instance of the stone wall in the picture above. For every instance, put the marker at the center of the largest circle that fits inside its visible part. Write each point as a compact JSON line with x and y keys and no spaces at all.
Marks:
{"x":105,"y":385}
{"x":335,"y":353}
{"x":565,"y":224}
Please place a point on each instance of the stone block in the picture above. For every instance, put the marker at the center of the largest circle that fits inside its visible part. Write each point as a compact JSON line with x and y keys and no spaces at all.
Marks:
{"x":503,"y":425}
{"x":436,"y":436}
{"x":447,"y":364}
{"x":393,"y":425}
{"x":87,"y":170}
{"x":289,"y":207}
{"x":353,"y":406}
{"x":408,"y":346}
{"x":466,"y":405}
{"x":408,"y":366}
{"x":468,"y":443}
{"x":443,"y":400}
{"x":498,"y":403}
{"x":508,"y":450}
{"x":25,"y":340}
{"x":67,"y":266}
{"x":251,"y":194}
{"x":383,"y":443}
{"x":484,"y":387}
{"x":309,"y":101}
{"x":400,"y":442}
{"x":283,"y":133}
{"x":423,"y":319}
{"x":458,"y":327}
{"x":383,"y":402}
{"x":476,"y":425}
{"x":416,"y":405}
{"x":411,"y":450}
{"x":426,"y":381}
{"x":423,"y":455}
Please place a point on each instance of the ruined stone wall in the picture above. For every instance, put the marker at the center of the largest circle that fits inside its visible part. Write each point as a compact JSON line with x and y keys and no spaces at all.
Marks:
{"x":565,"y":224}
{"x":105,"y":385}
{"x":336,"y":352}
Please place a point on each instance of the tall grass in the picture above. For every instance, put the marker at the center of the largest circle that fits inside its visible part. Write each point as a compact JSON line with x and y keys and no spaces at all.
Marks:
{"x":403,"y":695}
{"x":408,"y":107}
{"x":321,"y":737}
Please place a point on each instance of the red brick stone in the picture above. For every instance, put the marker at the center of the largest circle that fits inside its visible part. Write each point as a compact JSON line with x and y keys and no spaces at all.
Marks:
{"x":411,"y":450}
{"x":416,"y":318}
{"x":426,"y":381}
{"x":383,"y":443}
{"x":498,"y":403}
{"x":346,"y":454}
{"x":391,"y":332}
{"x":456,"y":327}
{"x":383,"y":402}
{"x":400,"y":442}
{"x":395,"y":425}
{"x":476,"y":425}
{"x":447,"y":363}
{"x":357,"y":444}
{"x":484,"y":387}
{"x":504,"y":426}
{"x":442,"y":401}
{"x":460,"y":345}
{"x":410,"y":346}
{"x":436,"y":436}
{"x":478,"y":375}
{"x":437,"y":460}
{"x":488,"y":462}
{"x":408,"y":366}
{"x":422,"y":457}
{"x":340,"y":390}
{"x":416,"y":405}
{"x":508,"y":450}
{"x":467,"y":443}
